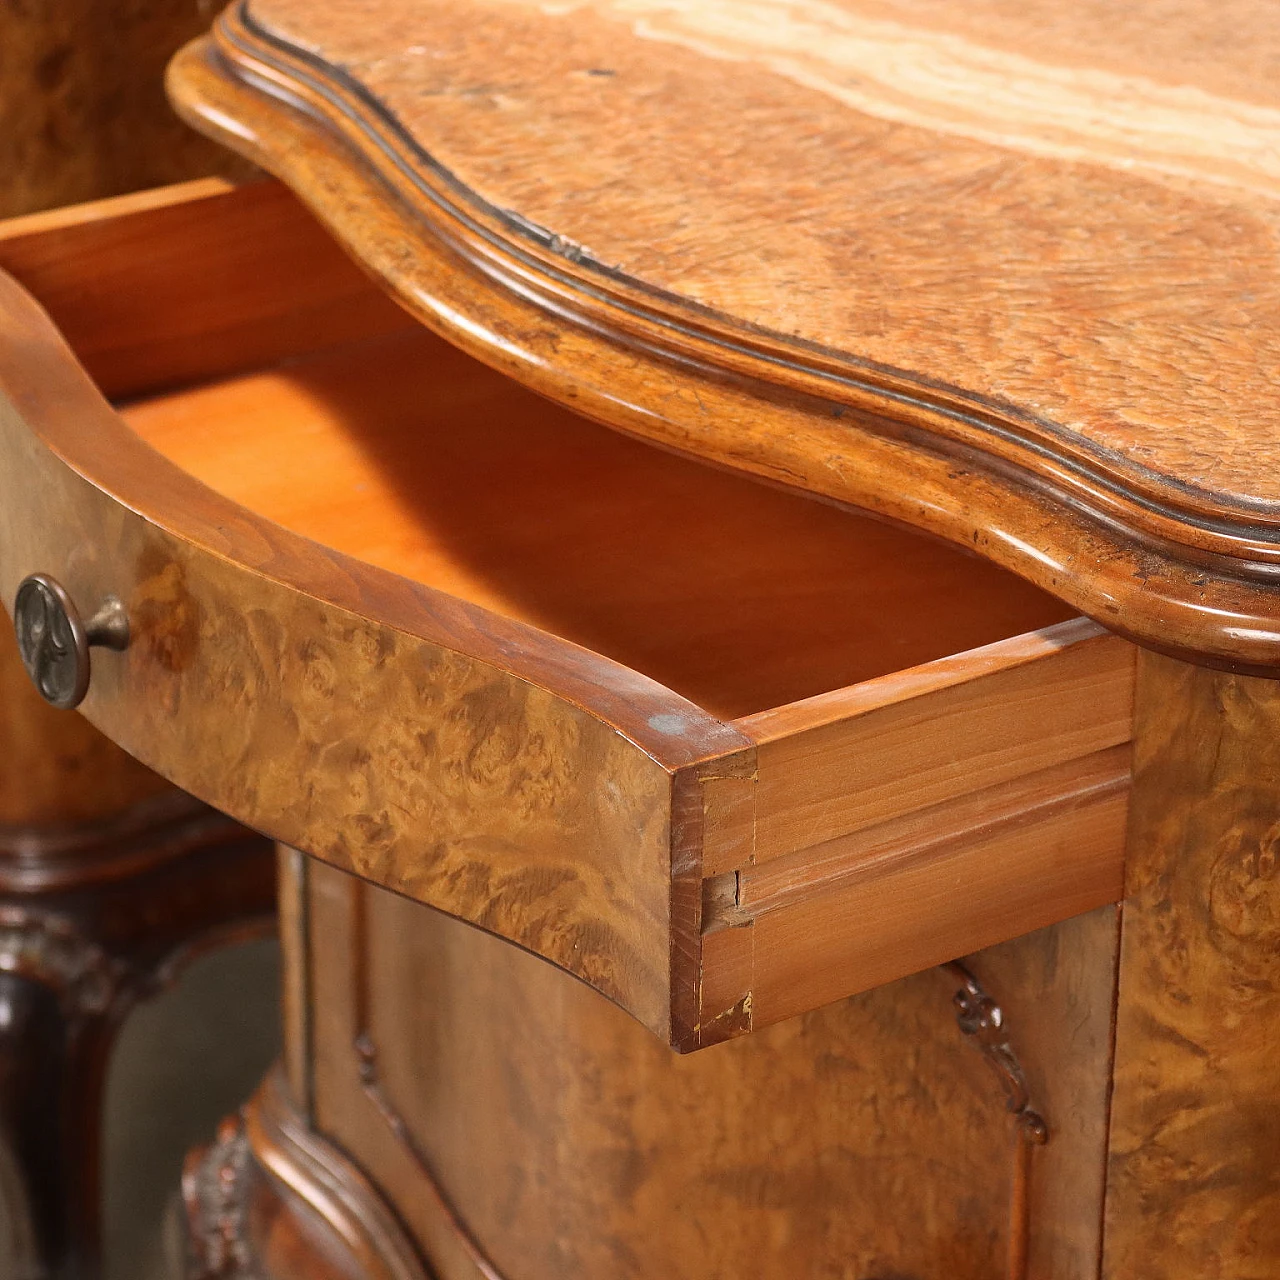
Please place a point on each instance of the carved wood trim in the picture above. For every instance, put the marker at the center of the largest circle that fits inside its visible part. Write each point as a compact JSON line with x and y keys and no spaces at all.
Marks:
{"x":266,"y":1163}
{"x":215,"y":1190}
{"x":74,"y":900}
{"x":55,"y":951}
{"x":69,"y":896}
{"x":982,"y":1020}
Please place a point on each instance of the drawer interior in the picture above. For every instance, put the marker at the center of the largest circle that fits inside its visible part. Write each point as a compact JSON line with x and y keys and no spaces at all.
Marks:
{"x":408,"y":454}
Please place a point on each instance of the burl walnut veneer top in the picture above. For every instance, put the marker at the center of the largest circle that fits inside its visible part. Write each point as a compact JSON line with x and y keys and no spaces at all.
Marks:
{"x":1005,"y":269}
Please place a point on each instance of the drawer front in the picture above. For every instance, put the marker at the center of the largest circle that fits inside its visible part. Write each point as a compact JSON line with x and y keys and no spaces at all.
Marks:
{"x":711,"y":876}
{"x":349,"y":713}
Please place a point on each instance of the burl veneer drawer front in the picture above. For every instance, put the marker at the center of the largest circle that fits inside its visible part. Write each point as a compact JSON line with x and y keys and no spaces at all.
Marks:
{"x":722,"y":752}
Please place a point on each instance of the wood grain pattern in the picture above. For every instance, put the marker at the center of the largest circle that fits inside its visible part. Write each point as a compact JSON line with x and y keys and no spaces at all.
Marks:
{"x":1082,"y":430}
{"x":237,"y":685}
{"x":83,"y":102}
{"x":769,"y":883}
{"x":680,"y":72}
{"x":1193,"y":1184}
{"x":69,"y":773}
{"x":867,"y":1138}
{"x":914,"y":818}
{"x":866,"y":930}
{"x":833,"y":765}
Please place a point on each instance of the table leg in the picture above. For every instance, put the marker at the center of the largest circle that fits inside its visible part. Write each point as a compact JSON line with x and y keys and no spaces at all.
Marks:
{"x":121,"y":909}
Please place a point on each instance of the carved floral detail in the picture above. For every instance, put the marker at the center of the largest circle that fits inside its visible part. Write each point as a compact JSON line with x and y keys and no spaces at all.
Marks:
{"x":979,"y":1016}
{"x":215,"y":1187}
{"x":982,"y":1019}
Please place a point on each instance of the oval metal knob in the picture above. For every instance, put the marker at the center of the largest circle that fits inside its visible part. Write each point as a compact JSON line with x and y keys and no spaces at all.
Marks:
{"x":54,"y":642}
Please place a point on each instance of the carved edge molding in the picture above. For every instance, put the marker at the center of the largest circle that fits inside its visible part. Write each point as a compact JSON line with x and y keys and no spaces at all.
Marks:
{"x":348,"y":110}
{"x":982,"y":1020}
{"x":265,"y":1162}
{"x":1173,"y":571}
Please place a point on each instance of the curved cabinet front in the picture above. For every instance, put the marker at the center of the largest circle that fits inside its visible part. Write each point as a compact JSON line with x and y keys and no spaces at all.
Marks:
{"x":679,"y":788}
{"x":526,"y":1130}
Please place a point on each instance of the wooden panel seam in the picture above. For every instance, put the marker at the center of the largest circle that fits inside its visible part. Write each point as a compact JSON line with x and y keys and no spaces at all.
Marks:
{"x":881,"y":851}
{"x":911,"y":740}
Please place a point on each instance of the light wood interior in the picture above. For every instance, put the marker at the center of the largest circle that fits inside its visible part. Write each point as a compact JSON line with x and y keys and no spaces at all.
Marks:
{"x":409,"y":455}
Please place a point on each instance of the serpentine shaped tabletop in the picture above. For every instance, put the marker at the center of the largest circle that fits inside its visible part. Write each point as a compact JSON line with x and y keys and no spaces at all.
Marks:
{"x":1005,"y":270}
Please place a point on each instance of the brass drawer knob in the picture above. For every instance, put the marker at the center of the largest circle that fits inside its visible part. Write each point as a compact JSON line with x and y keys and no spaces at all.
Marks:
{"x":54,"y":642}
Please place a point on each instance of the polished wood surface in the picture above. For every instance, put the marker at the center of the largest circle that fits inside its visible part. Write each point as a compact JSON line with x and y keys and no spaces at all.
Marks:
{"x":296,"y":995}
{"x":184,"y":665}
{"x":68,"y":772}
{"x":1007,"y":710}
{"x":237,"y":685}
{"x":506,"y":650}
{"x":934,"y":807}
{"x":411,"y":456}
{"x":1193,"y":1184}
{"x":524,"y":1113}
{"x":1015,"y":301}
{"x":660,"y":727}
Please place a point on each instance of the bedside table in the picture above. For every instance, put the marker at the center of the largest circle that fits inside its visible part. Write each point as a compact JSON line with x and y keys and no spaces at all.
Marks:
{"x":959,"y":906}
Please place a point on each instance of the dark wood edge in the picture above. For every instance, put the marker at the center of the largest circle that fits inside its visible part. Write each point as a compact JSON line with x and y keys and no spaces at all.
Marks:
{"x":149,"y":832}
{"x":58,"y":403}
{"x":689,"y":1031}
{"x":1171,"y":568}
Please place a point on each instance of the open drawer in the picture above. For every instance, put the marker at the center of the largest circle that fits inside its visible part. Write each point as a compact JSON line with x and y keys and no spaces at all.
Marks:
{"x":722,"y":752}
